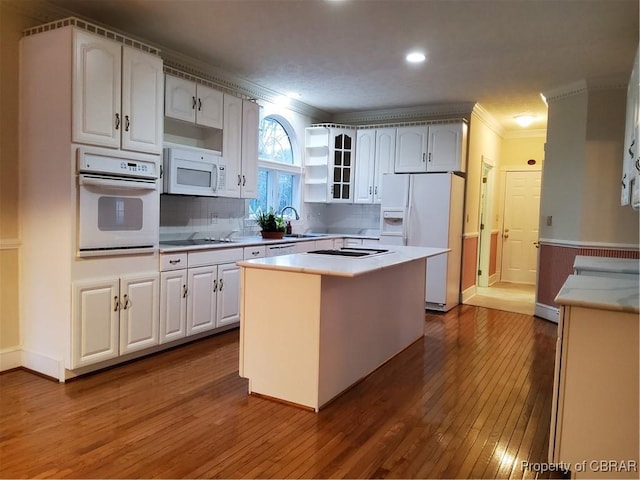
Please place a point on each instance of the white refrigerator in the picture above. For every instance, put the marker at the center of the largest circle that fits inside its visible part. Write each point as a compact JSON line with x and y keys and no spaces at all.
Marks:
{"x":426,"y":209}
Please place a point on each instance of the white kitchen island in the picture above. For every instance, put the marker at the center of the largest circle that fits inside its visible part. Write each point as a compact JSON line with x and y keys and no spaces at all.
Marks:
{"x":313,"y":325}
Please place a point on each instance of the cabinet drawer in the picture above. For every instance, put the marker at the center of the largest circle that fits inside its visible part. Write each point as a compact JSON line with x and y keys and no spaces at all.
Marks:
{"x":173,"y":261}
{"x":257,"y":251}
{"x":214,"y":257}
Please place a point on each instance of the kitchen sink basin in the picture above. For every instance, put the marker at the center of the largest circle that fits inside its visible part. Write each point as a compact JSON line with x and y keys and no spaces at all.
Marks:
{"x":351,"y":252}
{"x":305,"y":235}
{"x":189,"y":242}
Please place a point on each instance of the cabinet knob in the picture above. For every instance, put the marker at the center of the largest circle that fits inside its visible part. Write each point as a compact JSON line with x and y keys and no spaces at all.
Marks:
{"x":185,"y":291}
{"x":423,"y":156}
{"x":117,"y":121}
{"x":126,"y":123}
{"x":193,"y":102}
{"x":215,"y":285}
{"x":239,"y":179}
{"x":199,"y":105}
{"x":221,"y":285}
{"x":429,"y":156}
{"x":116,"y":304}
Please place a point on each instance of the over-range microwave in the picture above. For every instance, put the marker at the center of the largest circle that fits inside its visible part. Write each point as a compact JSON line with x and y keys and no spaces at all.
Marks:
{"x":191,"y":171}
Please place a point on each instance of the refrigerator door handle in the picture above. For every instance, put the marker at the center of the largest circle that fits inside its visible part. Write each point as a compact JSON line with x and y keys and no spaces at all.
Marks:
{"x":405,"y":225}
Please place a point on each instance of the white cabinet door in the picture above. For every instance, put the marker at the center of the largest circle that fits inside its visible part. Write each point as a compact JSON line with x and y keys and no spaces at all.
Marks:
{"x":142,"y":98}
{"x":445,"y":148}
{"x":209,"y":107}
{"x":411,"y":149}
{"x":94,"y":333}
{"x":384,"y":158}
{"x":365,"y":166}
{"x":228,"y":302}
{"x":201,"y":299}
{"x":231,"y":147}
{"x":96,"y":117}
{"x":173,"y":305}
{"x":249,"y":156}
{"x":180,"y":99}
{"x":343,"y":144}
{"x":139,"y":303}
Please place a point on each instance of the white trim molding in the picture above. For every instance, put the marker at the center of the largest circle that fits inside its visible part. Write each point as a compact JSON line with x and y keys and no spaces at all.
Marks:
{"x":394,"y":115}
{"x":470,"y":235}
{"x":468,"y":293}
{"x":547,"y":312}
{"x":582,"y":244}
{"x":10,"y":358}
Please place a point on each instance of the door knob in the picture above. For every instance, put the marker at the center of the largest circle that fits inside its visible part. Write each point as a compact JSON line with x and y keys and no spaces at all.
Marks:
{"x":536,"y":244}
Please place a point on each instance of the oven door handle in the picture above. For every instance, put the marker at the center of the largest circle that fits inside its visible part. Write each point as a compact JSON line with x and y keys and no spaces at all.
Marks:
{"x":115,"y":183}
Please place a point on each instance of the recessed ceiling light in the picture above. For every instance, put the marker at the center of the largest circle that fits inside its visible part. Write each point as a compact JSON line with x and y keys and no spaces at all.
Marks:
{"x":416,"y":57}
{"x":524,"y":120}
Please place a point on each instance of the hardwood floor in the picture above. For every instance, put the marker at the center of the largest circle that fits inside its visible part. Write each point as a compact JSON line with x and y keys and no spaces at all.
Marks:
{"x":472,"y":399}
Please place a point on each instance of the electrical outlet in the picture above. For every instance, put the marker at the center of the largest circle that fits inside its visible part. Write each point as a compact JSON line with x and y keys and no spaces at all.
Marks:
{"x":549,"y":220}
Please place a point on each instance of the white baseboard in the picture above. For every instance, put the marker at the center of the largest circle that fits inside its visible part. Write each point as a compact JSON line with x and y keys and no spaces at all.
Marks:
{"x":42,"y":364}
{"x":11,"y":358}
{"x":468,"y":293}
{"x":495,"y":278}
{"x":547,"y":312}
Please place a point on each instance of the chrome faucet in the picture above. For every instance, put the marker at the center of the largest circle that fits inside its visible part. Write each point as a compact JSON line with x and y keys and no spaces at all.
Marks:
{"x":294,"y":211}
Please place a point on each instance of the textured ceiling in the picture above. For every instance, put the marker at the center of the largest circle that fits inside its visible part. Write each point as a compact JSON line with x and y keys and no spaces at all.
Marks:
{"x":348,"y":55}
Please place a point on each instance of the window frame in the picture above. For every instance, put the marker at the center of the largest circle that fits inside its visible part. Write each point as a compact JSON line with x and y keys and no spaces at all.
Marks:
{"x":274,"y":169}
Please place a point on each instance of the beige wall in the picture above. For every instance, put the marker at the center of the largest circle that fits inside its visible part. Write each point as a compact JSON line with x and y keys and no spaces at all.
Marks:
{"x":583,"y":168}
{"x":484,"y":142}
{"x":563,"y":173}
{"x":516,"y":151}
{"x":12,"y":23}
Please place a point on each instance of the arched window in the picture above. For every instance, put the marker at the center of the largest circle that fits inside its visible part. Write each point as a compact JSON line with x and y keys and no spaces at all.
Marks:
{"x":278,"y":175}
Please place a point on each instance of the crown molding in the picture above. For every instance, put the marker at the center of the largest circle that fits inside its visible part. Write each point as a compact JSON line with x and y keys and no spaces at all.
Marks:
{"x":405,"y":114}
{"x":584,"y":86}
{"x":43,"y":12}
{"x":489,"y":120}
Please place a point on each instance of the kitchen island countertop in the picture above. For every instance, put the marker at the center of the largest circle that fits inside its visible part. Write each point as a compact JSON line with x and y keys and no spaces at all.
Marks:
{"x":343,"y":266}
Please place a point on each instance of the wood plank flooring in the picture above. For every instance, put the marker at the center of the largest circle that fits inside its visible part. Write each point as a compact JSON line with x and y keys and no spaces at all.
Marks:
{"x":472,"y":399}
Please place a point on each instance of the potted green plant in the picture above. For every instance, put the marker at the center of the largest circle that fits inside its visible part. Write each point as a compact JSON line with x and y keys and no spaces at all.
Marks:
{"x":271,"y":223}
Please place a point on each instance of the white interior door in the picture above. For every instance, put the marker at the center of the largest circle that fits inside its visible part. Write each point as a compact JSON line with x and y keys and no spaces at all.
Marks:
{"x":520,"y":229}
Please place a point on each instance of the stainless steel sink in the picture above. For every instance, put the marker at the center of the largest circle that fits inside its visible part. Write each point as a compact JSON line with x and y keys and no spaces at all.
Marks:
{"x":351,"y":252}
{"x":189,"y":242}
{"x":305,"y":235}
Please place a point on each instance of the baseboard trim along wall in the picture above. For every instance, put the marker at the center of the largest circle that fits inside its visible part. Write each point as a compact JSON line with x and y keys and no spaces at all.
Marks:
{"x":10,"y":358}
{"x":468,"y":293}
{"x":547,"y":312}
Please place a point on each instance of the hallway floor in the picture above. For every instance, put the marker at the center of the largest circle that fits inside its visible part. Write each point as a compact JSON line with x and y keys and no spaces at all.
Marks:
{"x":510,"y":297}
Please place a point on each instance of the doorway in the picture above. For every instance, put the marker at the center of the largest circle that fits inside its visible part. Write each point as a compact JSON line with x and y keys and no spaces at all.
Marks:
{"x":520,"y":227}
{"x":507,"y":258}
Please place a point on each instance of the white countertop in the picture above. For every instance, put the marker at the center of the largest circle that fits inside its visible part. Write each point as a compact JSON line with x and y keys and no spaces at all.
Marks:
{"x":606,"y":264}
{"x":342,"y":266}
{"x":603,"y":293}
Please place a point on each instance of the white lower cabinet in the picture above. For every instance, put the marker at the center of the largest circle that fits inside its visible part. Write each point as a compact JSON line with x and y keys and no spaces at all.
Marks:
{"x":202,"y":297}
{"x":112,"y":317}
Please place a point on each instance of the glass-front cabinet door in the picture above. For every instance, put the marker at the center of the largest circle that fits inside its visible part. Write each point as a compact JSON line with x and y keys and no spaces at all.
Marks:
{"x":342,"y":168}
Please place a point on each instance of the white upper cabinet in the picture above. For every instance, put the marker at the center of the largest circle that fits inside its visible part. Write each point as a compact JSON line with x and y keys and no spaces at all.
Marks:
{"x":375,"y":152}
{"x":250,"y":140}
{"x":239,"y":164}
{"x":385,"y":155}
{"x":142,"y":94}
{"x":447,"y":147}
{"x":411,"y":149}
{"x":117,"y":95}
{"x":365,"y":166}
{"x":192,"y":102}
{"x":431,"y":148}
{"x":96,"y":90}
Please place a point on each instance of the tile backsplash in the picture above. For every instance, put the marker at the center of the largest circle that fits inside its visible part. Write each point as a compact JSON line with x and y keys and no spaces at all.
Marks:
{"x":183,"y":216}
